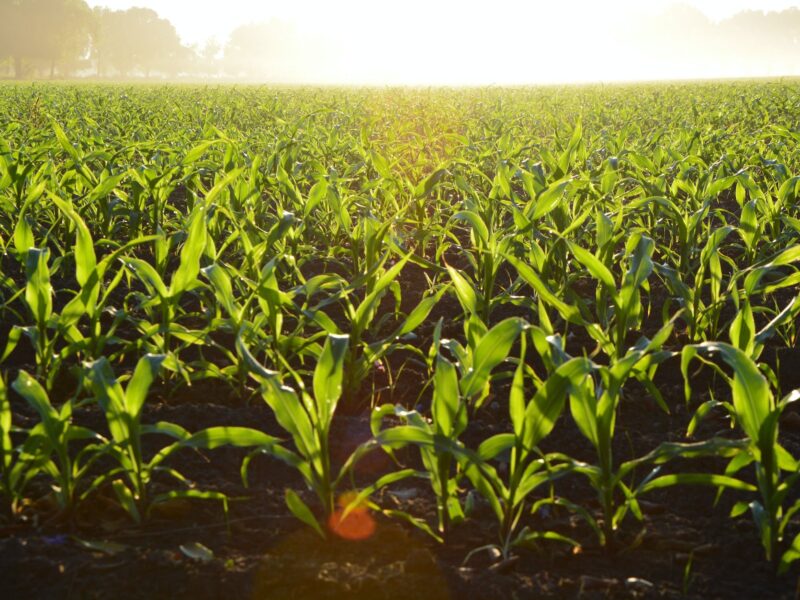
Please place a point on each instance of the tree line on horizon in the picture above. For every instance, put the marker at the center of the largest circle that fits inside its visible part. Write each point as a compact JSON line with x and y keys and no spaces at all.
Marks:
{"x":67,"y":38}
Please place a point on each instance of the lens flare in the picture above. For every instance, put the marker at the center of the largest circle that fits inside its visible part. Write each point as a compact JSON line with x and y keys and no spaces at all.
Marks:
{"x":357,"y":524}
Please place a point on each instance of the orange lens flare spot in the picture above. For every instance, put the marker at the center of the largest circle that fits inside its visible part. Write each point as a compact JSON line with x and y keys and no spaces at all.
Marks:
{"x":357,"y":525}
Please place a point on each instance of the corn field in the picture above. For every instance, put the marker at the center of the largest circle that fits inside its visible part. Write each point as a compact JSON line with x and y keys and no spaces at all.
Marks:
{"x":511,"y":332}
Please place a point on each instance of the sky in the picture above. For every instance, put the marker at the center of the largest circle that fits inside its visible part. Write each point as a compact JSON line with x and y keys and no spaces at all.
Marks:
{"x":452,"y":41}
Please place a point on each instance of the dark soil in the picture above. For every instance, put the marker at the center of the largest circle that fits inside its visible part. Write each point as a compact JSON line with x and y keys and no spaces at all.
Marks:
{"x":685,"y":546}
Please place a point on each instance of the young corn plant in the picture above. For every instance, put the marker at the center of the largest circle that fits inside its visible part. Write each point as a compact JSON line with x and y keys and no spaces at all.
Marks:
{"x":759,"y":281}
{"x":438,"y":443}
{"x":162,"y":302}
{"x":94,"y":295}
{"x":757,"y":413}
{"x":258,"y":312}
{"x":618,"y":309}
{"x":49,"y":447}
{"x":18,"y":464}
{"x":447,"y":461}
{"x":39,"y":301}
{"x":745,"y":336}
{"x":485,"y":350}
{"x":152,"y":185}
{"x":594,"y":404}
{"x":528,"y":468}
{"x":307,"y":417}
{"x":594,"y":400}
{"x":369,"y":344}
{"x":457,"y":388}
{"x":58,"y":336}
{"x":131,"y":480}
{"x":700,"y":291}
{"x":487,"y":256}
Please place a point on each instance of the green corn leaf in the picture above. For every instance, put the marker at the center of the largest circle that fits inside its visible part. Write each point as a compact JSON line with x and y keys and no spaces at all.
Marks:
{"x":148,"y":275}
{"x":301,"y":511}
{"x":583,"y":407}
{"x":85,"y":258}
{"x":516,"y":400}
{"x":223,"y":289}
{"x":465,"y":292}
{"x":363,"y":313}
{"x":742,"y":330}
{"x":388,"y":479}
{"x":291,"y":415}
{"x":38,"y":291}
{"x":6,"y":447}
{"x":64,"y":142}
{"x":23,"y":235}
{"x":34,"y":394}
{"x":14,"y":336}
{"x":548,"y":402}
{"x":597,"y":269}
{"x":104,"y":188}
{"x":196,"y":153}
{"x":328,"y":375}
{"x":223,"y":183}
{"x":565,"y":160}
{"x":317,"y":193}
{"x":790,"y":555}
{"x":548,"y":199}
{"x":446,"y":404}
{"x":492,"y":447}
{"x":641,"y":262}
{"x":427,"y":185}
{"x":126,"y":499}
{"x":172,"y":430}
{"x":748,"y":224}
{"x":487,"y":484}
{"x":417,"y":522}
{"x":420,"y":312}
{"x":722,"y":481}
{"x":752,"y":397}
{"x":111,"y":397}
{"x":568,"y":312}
{"x":529,"y":537}
{"x":492,"y":349}
{"x":146,"y":371}
{"x":402,"y":435}
{"x":193,"y":248}
{"x":478,"y":226}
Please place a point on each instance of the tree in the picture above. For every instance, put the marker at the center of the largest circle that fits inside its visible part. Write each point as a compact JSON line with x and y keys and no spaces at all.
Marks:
{"x":6,"y":47}
{"x":46,"y":31}
{"x":137,"y":38}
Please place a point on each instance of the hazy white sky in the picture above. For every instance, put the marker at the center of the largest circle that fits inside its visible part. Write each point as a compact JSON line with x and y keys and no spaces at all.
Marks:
{"x":447,"y":41}
{"x":197,"y":20}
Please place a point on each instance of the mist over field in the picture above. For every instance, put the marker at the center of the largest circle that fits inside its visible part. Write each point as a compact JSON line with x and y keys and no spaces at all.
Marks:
{"x":428,"y":43}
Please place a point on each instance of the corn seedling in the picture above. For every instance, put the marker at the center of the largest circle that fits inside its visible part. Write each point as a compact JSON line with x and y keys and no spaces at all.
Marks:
{"x":757,"y":413}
